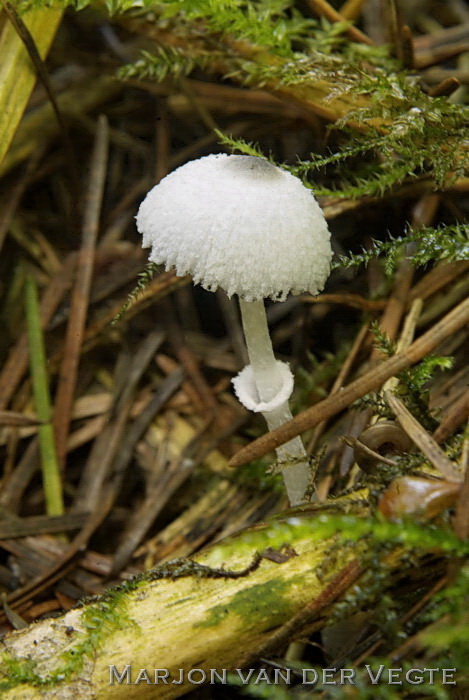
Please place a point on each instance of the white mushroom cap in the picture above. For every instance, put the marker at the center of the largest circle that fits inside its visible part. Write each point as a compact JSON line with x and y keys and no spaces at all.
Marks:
{"x":240,"y":223}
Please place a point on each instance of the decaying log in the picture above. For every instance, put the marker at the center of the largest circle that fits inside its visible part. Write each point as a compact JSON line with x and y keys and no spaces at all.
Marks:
{"x":212,"y":612}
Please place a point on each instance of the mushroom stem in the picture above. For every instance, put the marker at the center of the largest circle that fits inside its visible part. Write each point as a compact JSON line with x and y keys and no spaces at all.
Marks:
{"x":292,"y":455}
{"x":260,"y":350}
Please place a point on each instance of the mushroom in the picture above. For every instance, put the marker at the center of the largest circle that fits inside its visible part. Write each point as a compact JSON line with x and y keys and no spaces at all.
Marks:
{"x":245,"y":225}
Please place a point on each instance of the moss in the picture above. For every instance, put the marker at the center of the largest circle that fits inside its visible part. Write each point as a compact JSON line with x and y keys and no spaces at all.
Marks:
{"x":100,"y":620}
{"x":258,"y":605}
{"x":20,"y":671}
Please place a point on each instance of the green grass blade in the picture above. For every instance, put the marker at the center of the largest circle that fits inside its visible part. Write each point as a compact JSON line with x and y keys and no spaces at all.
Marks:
{"x":37,"y":358}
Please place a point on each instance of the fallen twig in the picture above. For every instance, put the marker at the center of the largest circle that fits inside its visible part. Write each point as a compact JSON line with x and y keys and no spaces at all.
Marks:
{"x":452,"y":322}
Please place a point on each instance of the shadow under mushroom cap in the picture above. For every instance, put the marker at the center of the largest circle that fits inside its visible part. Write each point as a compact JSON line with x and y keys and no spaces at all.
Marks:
{"x":240,"y":223}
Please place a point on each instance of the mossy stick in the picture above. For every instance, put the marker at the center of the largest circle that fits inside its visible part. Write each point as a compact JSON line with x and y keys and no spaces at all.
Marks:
{"x":109,"y":647}
{"x":232,"y":611}
{"x":50,"y":469}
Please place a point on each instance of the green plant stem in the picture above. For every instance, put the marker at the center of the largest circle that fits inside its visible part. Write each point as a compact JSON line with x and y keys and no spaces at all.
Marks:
{"x":50,"y":469}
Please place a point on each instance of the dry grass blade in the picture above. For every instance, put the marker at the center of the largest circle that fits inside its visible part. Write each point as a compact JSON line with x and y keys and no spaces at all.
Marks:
{"x":55,"y":572}
{"x":17,"y":482}
{"x":15,"y":620}
{"x":159,"y":493}
{"x":81,"y":292}
{"x":108,"y":443}
{"x":164,"y":392}
{"x":11,"y":526}
{"x":456,"y":416}
{"x":205,"y":397}
{"x":18,"y":420}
